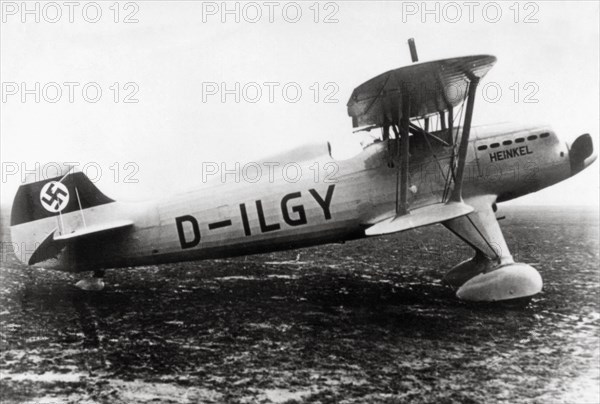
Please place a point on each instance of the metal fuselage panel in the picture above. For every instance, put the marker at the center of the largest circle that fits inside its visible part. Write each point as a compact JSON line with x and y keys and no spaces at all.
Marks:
{"x":330,"y":201}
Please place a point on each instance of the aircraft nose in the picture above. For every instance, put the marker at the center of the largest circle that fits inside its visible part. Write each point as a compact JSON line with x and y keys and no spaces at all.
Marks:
{"x":581,"y":153}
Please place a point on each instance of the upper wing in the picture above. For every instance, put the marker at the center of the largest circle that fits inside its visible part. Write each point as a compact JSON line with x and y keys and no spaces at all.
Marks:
{"x":431,"y":87}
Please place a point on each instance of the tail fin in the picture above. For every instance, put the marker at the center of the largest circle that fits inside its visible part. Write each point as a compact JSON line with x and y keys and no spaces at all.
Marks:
{"x":41,"y":207}
{"x":54,"y":196}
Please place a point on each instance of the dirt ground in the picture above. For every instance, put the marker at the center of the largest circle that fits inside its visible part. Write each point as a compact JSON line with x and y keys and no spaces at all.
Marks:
{"x":365,"y":321}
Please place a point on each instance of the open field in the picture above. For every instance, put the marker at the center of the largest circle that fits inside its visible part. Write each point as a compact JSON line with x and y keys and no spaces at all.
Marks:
{"x":365,"y":321}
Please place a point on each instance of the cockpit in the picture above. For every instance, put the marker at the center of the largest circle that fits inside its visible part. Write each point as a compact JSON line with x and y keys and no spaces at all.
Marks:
{"x":425,"y":133}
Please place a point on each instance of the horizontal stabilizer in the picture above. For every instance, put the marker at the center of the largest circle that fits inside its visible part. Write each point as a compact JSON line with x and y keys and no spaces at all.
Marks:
{"x":420,"y":217}
{"x":94,"y":229}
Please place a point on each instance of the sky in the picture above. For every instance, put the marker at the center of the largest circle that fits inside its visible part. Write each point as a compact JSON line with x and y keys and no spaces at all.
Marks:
{"x":141,"y":94}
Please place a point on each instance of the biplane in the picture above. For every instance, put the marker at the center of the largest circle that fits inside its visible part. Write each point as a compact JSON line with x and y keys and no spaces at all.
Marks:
{"x":427,"y":164}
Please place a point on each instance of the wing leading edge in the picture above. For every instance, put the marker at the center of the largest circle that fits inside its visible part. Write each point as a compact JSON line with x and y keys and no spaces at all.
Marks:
{"x":431,"y":87}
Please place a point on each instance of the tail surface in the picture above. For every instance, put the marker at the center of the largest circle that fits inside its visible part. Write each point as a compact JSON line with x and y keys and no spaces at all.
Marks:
{"x":44,"y":211}
{"x":54,"y":197}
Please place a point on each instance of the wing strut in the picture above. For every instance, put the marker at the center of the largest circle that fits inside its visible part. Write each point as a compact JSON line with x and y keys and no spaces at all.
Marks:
{"x":402,"y":204}
{"x":404,"y":163}
{"x":384,"y":102}
{"x":456,"y":195}
{"x":450,"y":122}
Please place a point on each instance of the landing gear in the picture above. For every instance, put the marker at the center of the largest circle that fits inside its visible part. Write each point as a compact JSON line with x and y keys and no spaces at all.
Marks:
{"x":482,"y":280}
{"x":461,"y":273}
{"x":491,"y":275}
{"x":94,"y":283}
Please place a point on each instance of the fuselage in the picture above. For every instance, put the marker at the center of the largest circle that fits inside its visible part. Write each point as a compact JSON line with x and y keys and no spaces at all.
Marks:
{"x":305,"y":197}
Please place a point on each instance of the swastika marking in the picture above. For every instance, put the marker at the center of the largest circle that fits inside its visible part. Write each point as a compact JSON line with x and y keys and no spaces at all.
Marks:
{"x":54,"y":196}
